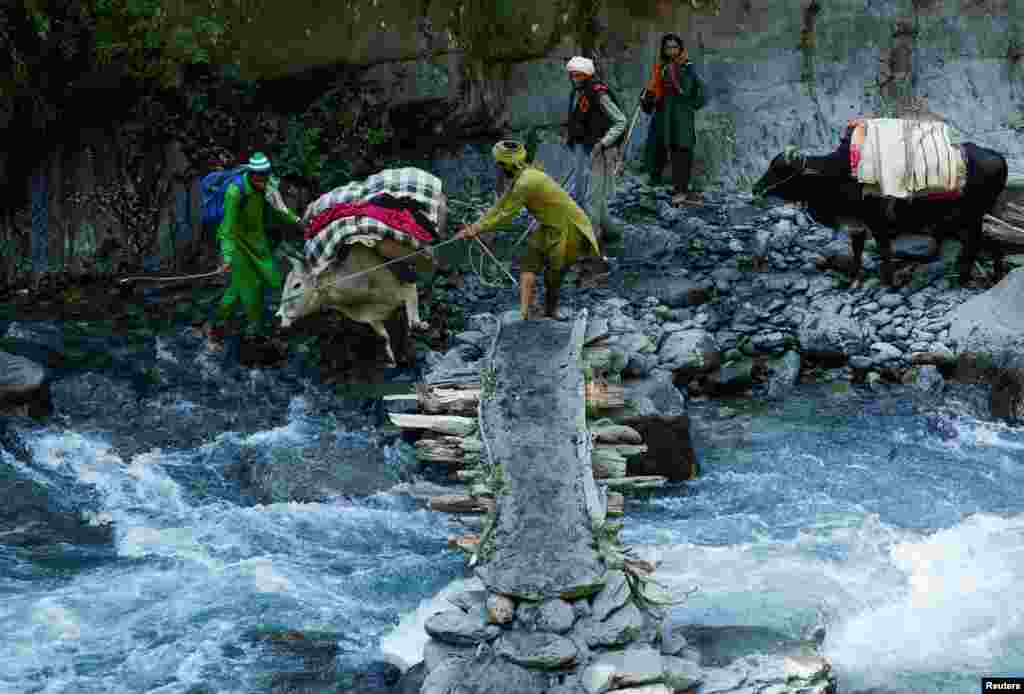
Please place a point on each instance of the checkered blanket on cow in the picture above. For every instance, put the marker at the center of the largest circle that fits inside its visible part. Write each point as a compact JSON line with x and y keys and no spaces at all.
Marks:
{"x":406,"y":182}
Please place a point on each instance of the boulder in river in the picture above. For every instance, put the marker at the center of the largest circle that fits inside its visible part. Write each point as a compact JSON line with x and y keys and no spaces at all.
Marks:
{"x":992,"y":324}
{"x":669,"y":448}
{"x":24,"y":389}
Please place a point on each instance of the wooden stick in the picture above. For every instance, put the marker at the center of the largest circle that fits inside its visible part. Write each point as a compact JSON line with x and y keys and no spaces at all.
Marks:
{"x":449,"y":449}
{"x":459,"y":503}
{"x":461,"y":401}
{"x":607,"y":464}
{"x":604,"y":396}
{"x":443,"y":424}
{"x":466,"y":543}
{"x":640,"y":482}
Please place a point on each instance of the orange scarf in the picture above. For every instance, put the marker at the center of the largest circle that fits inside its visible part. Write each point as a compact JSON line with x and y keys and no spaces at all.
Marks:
{"x":655,"y":86}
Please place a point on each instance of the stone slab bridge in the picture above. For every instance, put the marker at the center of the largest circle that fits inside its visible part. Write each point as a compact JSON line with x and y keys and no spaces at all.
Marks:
{"x":558,"y":612}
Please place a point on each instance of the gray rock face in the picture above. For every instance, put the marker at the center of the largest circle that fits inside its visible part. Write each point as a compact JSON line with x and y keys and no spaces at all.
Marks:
{"x":992,"y":322}
{"x":556,"y":616}
{"x":689,"y":349}
{"x":485,"y":674}
{"x":673,"y":637}
{"x":485,"y":323}
{"x":536,"y":649}
{"x":469,"y":600}
{"x":412,"y":681}
{"x":536,"y":416}
{"x":655,"y":395}
{"x":783,"y":374}
{"x":675,"y":292}
{"x":435,"y":652}
{"x":929,"y":379}
{"x":621,"y":669}
{"x":749,"y":660}
{"x":681,"y":673}
{"x":827,"y":332}
{"x":22,"y":383}
{"x":622,"y":627}
{"x":19,"y":375}
{"x":458,"y":628}
{"x":476,"y":339}
{"x":883,"y":351}
{"x":647,"y":240}
{"x":614,"y":596}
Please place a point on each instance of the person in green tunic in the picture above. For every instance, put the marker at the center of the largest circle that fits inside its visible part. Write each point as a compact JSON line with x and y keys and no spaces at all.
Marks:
{"x":563,"y":237}
{"x":678,"y":94}
{"x":246,"y":249}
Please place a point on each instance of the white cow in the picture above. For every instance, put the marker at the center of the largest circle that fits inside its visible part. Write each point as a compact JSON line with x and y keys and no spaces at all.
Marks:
{"x":370,"y":298}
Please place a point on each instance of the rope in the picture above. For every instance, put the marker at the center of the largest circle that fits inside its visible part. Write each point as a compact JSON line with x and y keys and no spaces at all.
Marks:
{"x":785,"y":180}
{"x":629,"y":135}
{"x":169,"y":279}
{"x":479,"y":270}
{"x":376,"y":267}
{"x":488,"y":459}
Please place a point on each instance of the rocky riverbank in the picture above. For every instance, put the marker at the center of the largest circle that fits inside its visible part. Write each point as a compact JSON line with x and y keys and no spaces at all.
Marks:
{"x":735,"y":297}
{"x":730,"y":298}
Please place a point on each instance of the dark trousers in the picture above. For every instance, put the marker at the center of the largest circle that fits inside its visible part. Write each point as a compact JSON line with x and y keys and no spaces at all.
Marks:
{"x":682,"y":165}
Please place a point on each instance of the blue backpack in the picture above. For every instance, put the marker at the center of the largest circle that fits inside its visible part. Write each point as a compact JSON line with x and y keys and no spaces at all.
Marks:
{"x":213,"y":188}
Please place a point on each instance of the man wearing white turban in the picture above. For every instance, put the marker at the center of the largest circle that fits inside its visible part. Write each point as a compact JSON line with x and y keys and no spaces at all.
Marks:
{"x":597,"y":127}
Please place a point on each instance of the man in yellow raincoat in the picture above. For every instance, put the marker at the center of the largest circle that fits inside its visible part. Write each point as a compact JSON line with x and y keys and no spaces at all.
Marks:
{"x":246,"y":250}
{"x":563,"y":237}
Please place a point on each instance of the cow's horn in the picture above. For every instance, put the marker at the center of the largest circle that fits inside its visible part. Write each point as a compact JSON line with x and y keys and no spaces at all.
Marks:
{"x":297,"y":265}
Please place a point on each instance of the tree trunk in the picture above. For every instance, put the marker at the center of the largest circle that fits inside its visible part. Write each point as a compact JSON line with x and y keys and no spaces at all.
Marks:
{"x":40,"y":223}
{"x":55,"y":210}
{"x":479,"y":106}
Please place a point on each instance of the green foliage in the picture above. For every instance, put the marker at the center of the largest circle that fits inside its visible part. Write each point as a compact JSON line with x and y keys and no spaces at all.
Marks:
{"x":301,"y":154}
{"x":617,"y":556}
{"x":378,"y":136}
{"x":149,"y":43}
{"x":488,"y":382}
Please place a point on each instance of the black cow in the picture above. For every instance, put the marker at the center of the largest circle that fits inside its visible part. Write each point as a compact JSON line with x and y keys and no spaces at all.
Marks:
{"x":833,"y":193}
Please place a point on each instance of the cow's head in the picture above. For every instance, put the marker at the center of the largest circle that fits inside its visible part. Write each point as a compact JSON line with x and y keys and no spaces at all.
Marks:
{"x":297,"y":299}
{"x":783,"y":170}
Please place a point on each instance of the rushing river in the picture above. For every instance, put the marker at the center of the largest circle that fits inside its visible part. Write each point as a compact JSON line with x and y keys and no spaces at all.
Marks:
{"x":899,"y":531}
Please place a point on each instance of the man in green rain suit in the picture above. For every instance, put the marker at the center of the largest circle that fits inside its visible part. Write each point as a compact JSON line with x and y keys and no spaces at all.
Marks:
{"x":246,"y":250}
{"x":564,"y":234}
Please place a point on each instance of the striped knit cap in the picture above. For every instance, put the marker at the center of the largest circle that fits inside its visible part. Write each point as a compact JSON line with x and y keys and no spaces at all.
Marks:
{"x":258,"y":163}
{"x":510,"y":153}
